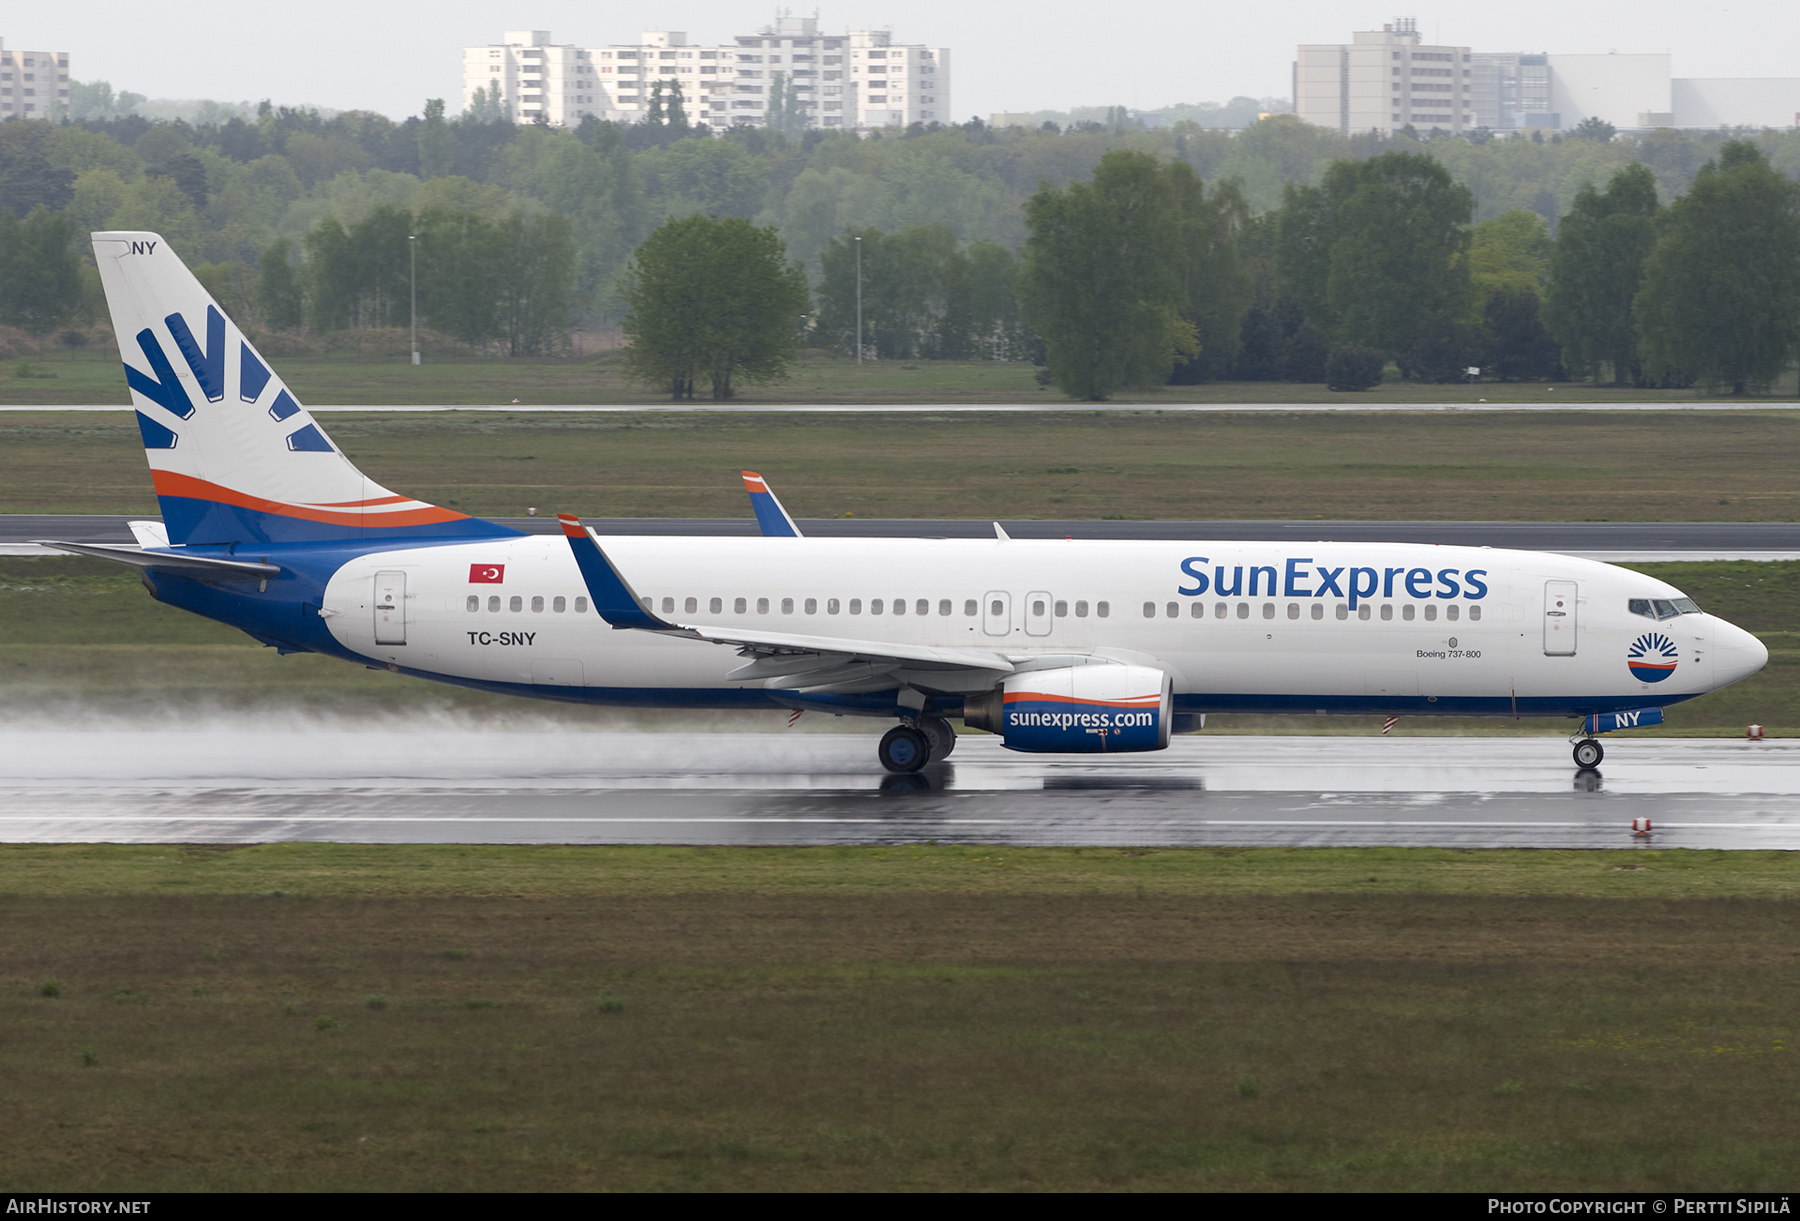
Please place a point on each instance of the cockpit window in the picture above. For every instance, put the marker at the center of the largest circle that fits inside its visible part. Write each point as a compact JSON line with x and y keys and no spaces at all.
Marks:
{"x":1663,"y":608}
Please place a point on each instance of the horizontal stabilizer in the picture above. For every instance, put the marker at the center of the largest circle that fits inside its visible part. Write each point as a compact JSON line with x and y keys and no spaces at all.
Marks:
{"x":191,"y":565}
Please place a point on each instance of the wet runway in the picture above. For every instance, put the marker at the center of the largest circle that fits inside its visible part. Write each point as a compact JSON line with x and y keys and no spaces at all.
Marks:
{"x":476,"y":786}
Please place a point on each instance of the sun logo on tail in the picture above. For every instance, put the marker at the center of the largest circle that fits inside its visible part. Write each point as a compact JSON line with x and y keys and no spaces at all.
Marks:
{"x":1652,"y":657}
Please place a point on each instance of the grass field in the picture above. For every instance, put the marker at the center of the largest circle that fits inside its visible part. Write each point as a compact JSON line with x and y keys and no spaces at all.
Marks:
{"x":1712,"y":466}
{"x":409,"y":1018}
{"x":383,"y":375}
{"x":80,"y":637}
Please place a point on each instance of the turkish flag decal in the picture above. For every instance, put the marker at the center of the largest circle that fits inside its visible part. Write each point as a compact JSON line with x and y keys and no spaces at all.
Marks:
{"x":487,"y":574}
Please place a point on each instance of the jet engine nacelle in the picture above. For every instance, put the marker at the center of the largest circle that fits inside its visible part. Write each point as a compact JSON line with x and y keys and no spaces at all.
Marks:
{"x":1094,"y":709}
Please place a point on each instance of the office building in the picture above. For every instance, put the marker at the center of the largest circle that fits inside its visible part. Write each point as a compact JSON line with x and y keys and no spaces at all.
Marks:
{"x":1384,"y":80}
{"x":856,"y":81}
{"x":33,"y":84}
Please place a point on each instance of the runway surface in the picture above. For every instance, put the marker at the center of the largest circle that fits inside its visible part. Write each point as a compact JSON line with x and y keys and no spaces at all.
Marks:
{"x":471,"y":786}
{"x":1619,"y":540}
{"x":1556,"y":399}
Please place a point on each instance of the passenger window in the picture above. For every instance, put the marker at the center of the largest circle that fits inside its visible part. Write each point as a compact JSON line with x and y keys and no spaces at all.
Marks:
{"x":943,"y":606}
{"x":1197,"y":610}
{"x":997,"y":609}
{"x":1430,"y":612}
{"x":515,"y":604}
{"x":787,"y":606}
{"x":1293,"y":610}
{"x":1343,"y":610}
{"x":1318,"y":610}
{"x":812,"y":606}
{"x":856,"y":606}
{"x":537,"y":605}
{"x":1149,"y":610}
{"x":1080,"y":609}
{"x":717,"y":606}
{"x":1062,"y":610}
{"x":924,"y":607}
{"x":969,"y":608}
{"x":693,"y":605}
{"x":559,"y":604}
{"x":1451,"y":613}
{"x":1268,"y":610}
{"x":874,"y":606}
{"x":1102,"y":609}
{"x":739,"y":605}
{"x":1243,"y":610}
{"x":668,"y":606}
{"x":899,"y":606}
{"x":1362,"y":612}
{"x":581,"y":606}
{"x":1220,"y":611}
{"x":1172,"y":610}
{"x":1387,"y":612}
{"x":762,"y":606}
{"x":1474,"y":614}
{"x":474,"y":602}
{"x":831,"y":606}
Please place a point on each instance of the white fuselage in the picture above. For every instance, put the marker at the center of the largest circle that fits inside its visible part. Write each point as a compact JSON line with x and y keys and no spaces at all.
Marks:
{"x":1246,"y":626}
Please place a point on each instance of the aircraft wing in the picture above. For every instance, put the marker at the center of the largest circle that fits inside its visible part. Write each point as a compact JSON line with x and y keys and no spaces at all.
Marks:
{"x":787,"y":659}
{"x":771,"y":518}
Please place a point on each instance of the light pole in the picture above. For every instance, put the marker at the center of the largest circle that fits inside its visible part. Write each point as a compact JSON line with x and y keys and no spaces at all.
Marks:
{"x":412,"y":259}
{"x":859,"y":303}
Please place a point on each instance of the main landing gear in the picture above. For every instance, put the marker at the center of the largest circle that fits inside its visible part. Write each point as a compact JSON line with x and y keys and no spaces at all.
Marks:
{"x":1588,"y":754}
{"x":907,"y":748}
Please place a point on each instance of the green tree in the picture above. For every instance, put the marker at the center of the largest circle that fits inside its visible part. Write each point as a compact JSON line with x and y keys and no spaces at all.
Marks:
{"x":712,"y":300}
{"x":1100,"y":279}
{"x":1217,"y":287}
{"x":40,"y":280}
{"x":437,"y":142}
{"x":278,"y":291}
{"x":536,"y":289}
{"x":1721,"y":294}
{"x":787,"y":112}
{"x":1596,"y":269}
{"x":1398,"y":227}
{"x":486,"y":106}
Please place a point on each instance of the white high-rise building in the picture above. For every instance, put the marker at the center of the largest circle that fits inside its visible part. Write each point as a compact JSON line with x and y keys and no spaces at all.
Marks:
{"x":33,"y":84}
{"x":1383,"y":81}
{"x":857,"y":81}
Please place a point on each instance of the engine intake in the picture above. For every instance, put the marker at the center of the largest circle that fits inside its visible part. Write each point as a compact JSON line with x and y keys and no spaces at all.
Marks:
{"x":1097,"y":709}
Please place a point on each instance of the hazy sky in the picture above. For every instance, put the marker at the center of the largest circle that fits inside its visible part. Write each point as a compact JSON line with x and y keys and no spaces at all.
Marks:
{"x":1052,"y":55}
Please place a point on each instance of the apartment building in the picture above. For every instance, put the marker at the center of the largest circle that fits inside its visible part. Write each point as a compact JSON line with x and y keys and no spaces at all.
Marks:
{"x":786,"y":72}
{"x":1384,"y":80}
{"x":33,"y":84}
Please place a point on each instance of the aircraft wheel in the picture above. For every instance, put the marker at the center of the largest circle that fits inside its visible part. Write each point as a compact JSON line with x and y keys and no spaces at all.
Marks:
{"x":904,"y":749}
{"x":939,"y":733}
{"x":1588,"y":754}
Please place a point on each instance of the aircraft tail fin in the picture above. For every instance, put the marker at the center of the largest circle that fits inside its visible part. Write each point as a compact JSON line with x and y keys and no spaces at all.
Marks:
{"x":234,"y":456}
{"x":771,"y":518}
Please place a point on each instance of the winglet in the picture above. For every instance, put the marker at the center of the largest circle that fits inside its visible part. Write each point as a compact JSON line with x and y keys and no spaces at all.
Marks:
{"x":614,"y":599}
{"x":771,"y":518}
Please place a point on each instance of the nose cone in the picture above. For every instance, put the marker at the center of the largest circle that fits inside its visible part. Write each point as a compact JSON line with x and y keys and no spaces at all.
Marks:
{"x":1736,"y":654}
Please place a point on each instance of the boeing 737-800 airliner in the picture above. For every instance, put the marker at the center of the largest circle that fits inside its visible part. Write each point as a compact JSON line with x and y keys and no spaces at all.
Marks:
{"x":1063,"y":646}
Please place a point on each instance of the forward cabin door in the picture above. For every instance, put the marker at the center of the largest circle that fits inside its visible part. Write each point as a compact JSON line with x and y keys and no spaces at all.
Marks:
{"x":390,"y":608}
{"x":1559,"y":618}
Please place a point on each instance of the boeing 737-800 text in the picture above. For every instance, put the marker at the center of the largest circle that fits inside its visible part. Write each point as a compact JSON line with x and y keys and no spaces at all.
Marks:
{"x":1066,"y":646}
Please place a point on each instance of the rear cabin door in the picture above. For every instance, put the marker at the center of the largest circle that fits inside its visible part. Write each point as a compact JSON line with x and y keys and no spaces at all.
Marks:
{"x":1560,"y":601}
{"x":390,"y":608}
